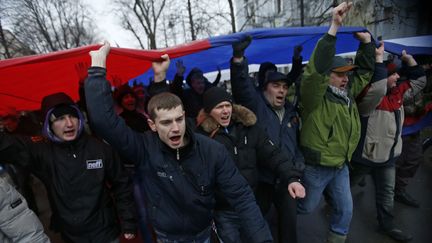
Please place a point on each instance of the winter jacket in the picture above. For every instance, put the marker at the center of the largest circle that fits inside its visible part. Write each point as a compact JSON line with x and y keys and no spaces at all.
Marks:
{"x":79,"y":178}
{"x":18,"y":224}
{"x":135,"y":120}
{"x":331,"y":123}
{"x":416,"y":106}
{"x":249,"y":146}
{"x":381,"y":140}
{"x":179,"y":184}
{"x":284,"y":134}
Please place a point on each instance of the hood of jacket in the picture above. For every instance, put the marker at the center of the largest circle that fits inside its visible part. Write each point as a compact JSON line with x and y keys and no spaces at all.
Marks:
{"x":49,"y":103}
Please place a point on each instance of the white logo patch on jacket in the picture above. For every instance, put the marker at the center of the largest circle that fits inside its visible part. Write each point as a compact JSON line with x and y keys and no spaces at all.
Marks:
{"x":94,"y":164}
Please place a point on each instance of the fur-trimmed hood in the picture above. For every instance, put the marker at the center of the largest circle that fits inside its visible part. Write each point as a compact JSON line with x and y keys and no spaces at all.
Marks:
{"x":239,"y":114}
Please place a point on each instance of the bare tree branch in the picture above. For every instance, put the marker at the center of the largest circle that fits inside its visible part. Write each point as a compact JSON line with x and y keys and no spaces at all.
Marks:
{"x":50,"y":25}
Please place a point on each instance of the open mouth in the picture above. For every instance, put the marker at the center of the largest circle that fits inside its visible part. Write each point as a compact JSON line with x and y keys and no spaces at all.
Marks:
{"x":69,"y":133}
{"x":225,"y":118}
{"x":280,"y":99}
{"x":175,"y":139}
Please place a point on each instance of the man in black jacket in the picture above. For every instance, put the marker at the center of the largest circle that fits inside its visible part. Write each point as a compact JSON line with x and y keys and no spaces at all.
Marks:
{"x":235,"y":127}
{"x":80,"y":174}
{"x":178,"y":169}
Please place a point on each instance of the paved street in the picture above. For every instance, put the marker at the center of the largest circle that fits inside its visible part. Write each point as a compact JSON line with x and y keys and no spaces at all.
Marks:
{"x":313,"y":228}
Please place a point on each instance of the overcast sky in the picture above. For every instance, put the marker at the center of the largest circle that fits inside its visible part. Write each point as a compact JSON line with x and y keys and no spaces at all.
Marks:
{"x":109,"y":25}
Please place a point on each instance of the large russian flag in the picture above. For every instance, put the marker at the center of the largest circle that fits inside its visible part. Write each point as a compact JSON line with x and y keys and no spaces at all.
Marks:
{"x":25,"y":81}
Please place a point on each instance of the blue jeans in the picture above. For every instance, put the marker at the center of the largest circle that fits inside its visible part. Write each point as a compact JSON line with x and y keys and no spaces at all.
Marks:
{"x":384,"y":181}
{"x":228,"y":226}
{"x":336,"y":182}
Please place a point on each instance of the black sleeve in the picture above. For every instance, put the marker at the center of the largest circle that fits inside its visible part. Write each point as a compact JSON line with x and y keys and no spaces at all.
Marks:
{"x":122,"y":189}
{"x":272,"y":157}
{"x":15,"y":149}
{"x":296,"y":70}
{"x":243,"y":90}
{"x":177,"y":86}
{"x":157,"y":88}
{"x":217,"y":80}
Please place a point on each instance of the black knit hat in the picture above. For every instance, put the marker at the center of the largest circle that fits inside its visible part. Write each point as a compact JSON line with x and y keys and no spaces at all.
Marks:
{"x":53,"y":100}
{"x":213,"y":96}
{"x":63,"y":110}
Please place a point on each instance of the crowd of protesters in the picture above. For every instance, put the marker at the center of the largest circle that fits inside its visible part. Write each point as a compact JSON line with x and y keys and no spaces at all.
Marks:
{"x":199,"y":164}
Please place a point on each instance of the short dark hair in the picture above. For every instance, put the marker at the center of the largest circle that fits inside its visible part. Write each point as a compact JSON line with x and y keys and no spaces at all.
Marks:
{"x":165,"y":101}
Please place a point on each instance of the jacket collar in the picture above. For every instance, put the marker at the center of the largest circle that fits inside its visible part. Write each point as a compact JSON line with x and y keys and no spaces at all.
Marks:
{"x":182,"y":152}
{"x":240,"y":114}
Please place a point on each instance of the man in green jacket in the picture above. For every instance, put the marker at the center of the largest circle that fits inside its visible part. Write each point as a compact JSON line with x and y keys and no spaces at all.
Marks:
{"x":331,"y":124}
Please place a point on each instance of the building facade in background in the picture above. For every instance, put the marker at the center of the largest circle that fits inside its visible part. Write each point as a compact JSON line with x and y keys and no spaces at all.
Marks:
{"x":387,"y":18}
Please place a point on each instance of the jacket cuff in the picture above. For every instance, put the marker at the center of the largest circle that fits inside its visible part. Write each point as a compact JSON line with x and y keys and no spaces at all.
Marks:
{"x":129,"y":229}
{"x":239,"y":64}
{"x":415,"y":72}
{"x":328,"y":37}
{"x":284,"y":173}
{"x":96,"y":72}
{"x":294,"y":179}
{"x":157,"y":88}
{"x":380,"y":72}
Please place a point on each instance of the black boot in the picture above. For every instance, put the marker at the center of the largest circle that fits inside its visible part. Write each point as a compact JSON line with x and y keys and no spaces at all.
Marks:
{"x":398,"y":235}
{"x":405,"y":198}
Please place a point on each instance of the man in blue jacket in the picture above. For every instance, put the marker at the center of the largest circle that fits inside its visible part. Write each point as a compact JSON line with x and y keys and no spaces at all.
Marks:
{"x":279,"y":119}
{"x":178,"y":169}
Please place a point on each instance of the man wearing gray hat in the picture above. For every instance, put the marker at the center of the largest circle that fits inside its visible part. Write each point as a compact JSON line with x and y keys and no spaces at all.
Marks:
{"x":331,"y":122}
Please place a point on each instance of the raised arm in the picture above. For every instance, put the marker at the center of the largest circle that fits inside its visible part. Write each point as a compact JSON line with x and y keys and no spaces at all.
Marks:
{"x":373,"y":93}
{"x":365,"y":60}
{"x":243,"y":89}
{"x":339,"y":14}
{"x":218,"y":77}
{"x":315,"y":78}
{"x":297,"y":68}
{"x":159,"y":83}
{"x":104,"y":120}
{"x":416,"y":75}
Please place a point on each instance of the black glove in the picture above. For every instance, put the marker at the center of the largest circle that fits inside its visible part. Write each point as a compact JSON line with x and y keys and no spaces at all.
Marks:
{"x":240,"y":47}
{"x":297,"y":51}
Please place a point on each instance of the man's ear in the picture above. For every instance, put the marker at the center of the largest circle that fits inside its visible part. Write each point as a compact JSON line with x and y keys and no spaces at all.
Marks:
{"x":152,"y":125}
